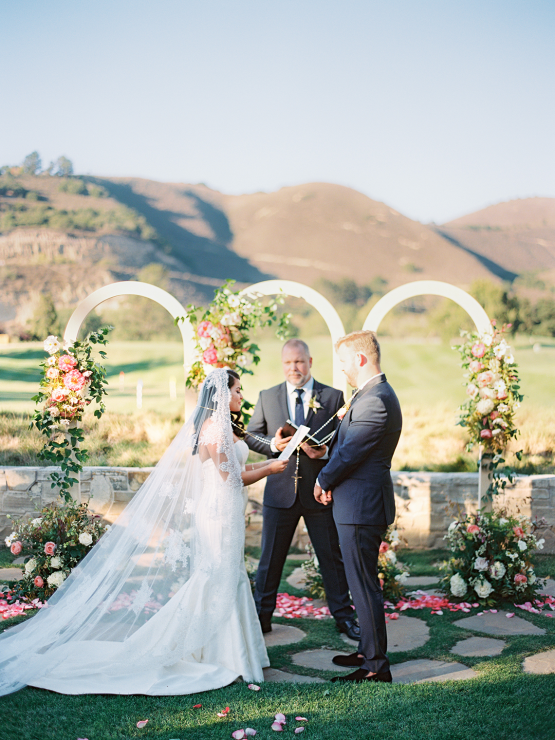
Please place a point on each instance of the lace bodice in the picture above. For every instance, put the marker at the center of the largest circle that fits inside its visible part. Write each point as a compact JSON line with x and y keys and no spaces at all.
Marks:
{"x":242,"y":452}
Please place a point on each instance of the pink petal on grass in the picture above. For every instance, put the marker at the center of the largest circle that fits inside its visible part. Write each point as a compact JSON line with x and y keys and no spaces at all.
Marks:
{"x":224,"y":712}
{"x":250,"y":731}
{"x":280,"y":718}
{"x":253,"y":687}
{"x":238,"y":734}
{"x":142,"y":723}
{"x":299,"y":729}
{"x":301,"y":719}
{"x":197,"y":706}
{"x":277,"y":726}
{"x":510,"y":614}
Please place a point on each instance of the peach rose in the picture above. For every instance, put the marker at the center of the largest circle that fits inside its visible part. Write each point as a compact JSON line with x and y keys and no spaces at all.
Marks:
{"x":521,"y":578}
{"x":75,"y":380}
{"x":485,"y":378}
{"x":50,"y":548}
{"x":66,"y":363}
{"x":16,"y":547}
{"x":210,"y":356}
{"x":52,"y":373}
{"x":501,"y":395}
{"x":519,"y":532}
{"x":478,"y":349}
{"x":59,"y":394}
{"x":384,"y":547}
{"x":475,"y":366}
{"x":39,"y":583}
{"x":486,"y":434}
{"x":494,"y":415}
{"x":473,"y":529}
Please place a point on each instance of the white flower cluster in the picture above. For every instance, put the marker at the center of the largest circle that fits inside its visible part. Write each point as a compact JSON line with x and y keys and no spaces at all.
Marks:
{"x":56,"y":579}
{"x":56,"y":562}
{"x":30,"y":566}
{"x":458,"y":585}
{"x":10,"y":538}
{"x":482,"y":587}
{"x":51,"y":345}
{"x":85,"y":538}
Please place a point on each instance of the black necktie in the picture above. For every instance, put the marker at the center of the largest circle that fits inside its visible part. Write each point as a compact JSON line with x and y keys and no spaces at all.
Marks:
{"x":299,"y":407}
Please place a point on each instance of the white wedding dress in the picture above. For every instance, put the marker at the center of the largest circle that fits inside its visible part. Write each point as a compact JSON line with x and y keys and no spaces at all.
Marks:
{"x":124,"y":637}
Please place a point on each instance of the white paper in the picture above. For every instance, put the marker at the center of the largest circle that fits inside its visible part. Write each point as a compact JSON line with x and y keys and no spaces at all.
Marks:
{"x":300,"y":434}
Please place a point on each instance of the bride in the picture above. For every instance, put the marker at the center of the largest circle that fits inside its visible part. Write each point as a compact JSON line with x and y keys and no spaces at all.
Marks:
{"x":162,"y":604}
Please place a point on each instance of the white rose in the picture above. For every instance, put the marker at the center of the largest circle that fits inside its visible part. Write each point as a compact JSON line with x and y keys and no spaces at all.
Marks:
{"x":500,"y":349}
{"x":485,"y":406}
{"x":53,"y":411}
{"x":10,"y":538}
{"x":235,"y":319}
{"x":488,"y":393}
{"x":51,"y":344}
{"x":497,"y":570}
{"x":481,"y":564}
{"x":247,"y":308}
{"x":452,"y":527}
{"x":65,"y":422}
{"x":51,"y":361}
{"x":234,"y":301}
{"x":390,"y":555}
{"x":487,"y":339}
{"x":242,"y":361}
{"x":229,"y":351}
{"x":458,"y":585}
{"x":56,"y":579}
{"x":30,"y":566}
{"x":472,"y":390}
{"x":502,"y":521}
{"x":401,"y":577}
{"x":226,"y":320}
{"x":85,"y":538}
{"x":509,"y":359}
{"x":522,"y":545}
{"x":531,"y":577}
{"x":483,"y":588}
{"x":496,"y":432}
{"x":215,"y":333}
{"x":56,"y":562}
{"x":204,"y":342}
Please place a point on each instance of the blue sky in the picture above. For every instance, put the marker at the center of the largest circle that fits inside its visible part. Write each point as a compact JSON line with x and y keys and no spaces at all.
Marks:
{"x":437,"y":107}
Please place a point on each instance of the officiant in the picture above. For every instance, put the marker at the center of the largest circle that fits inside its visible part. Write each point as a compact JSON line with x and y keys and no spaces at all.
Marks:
{"x":290,"y":496}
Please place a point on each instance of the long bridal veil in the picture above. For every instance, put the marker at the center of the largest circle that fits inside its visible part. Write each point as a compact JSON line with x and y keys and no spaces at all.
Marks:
{"x":103,"y":617}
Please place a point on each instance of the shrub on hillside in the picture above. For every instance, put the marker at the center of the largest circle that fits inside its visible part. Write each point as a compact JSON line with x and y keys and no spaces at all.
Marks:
{"x":75,"y":186}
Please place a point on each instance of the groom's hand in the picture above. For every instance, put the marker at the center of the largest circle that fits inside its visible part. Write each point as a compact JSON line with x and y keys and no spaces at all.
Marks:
{"x":314,"y":452}
{"x":280,"y":441}
{"x":323,"y":497}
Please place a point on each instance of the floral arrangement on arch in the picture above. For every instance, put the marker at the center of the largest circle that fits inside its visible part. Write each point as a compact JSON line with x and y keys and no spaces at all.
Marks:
{"x":492,"y":558}
{"x":392,"y":573}
{"x":221,"y":331}
{"x":53,"y":543}
{"x":71,"y":380}
{"x":493,"y":388}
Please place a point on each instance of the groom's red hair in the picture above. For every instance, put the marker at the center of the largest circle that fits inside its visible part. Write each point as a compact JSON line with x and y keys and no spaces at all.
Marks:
{"x":363,"y":341}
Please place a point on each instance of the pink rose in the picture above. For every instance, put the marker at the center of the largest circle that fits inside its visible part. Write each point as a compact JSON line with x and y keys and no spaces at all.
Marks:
{"x":473,"y":529}
{"x":39,"y":583}
{"x":52,"y":373}
{"x":50,"y":548}
{"x":210,"y":356}
{"x":478,"y":349}
{"x":384,"y":547}
{"x":485,"y":378}
{"x":519,"y":532}
{"x":75,"y":380}
{"x":475,"y":366}
{"x":521,"y":578}
{"x":16,"y":547}
{"x":494,"y":415}
{"x":67,"y":363}
{"x":204,"y":328}
{"x":501,"y":395}
{"x":486,"y":434}
{"x":58,"y":394}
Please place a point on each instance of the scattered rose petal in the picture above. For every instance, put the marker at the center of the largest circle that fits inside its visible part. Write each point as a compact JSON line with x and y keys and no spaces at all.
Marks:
{"x":224,"y":713}
{"x":280,"y":718}
{"x":510,"y":614}
{"x":299,"y":729}
{"x":493,"y":611}
{"x":197,"y":706}
{"x":301,"y":719}
{"x":277,"y":726}
{"x":238,"y":734}
{"x":142,"y":723}
{"x":250,"y":731}
{"x":253,"y":687}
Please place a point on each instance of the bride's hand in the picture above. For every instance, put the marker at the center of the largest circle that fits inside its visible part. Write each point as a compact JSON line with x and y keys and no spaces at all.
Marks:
{"x":277,"y":466}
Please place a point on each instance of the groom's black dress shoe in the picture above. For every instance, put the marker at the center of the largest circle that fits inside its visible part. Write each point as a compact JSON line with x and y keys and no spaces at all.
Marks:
{"x":348,"y":660}
{"x":265,"y":622}
{"x":361,"y":676}
{"x":349,"y":627}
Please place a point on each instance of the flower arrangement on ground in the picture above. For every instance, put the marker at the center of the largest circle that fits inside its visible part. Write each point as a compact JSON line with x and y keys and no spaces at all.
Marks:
{"x":493,"y":390}
{"x":71,"y":380}
{"x":392,"y":573}
{"x":53,"y":543}
{"x":492,"y":558}
{"x":221,"y":331}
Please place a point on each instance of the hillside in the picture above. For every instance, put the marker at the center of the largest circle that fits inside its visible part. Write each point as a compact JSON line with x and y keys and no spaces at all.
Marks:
{"x":518,"y":235}
{"x":70,"y":236}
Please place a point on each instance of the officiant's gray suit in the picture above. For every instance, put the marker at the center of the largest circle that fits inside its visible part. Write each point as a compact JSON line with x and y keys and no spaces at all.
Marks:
{"x":283,"y":506}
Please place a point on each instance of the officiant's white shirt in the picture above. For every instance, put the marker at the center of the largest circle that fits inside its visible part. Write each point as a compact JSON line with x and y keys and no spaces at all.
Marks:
{"x":307,"y":388}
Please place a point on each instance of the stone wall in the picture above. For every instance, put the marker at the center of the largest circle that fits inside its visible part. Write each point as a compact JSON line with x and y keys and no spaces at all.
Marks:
{"x":426,"y":502}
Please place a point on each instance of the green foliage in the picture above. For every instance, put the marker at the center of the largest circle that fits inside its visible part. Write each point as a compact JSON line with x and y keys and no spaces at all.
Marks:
{"x":32,"y":164}
{"x":97,"y":191}
{"x":45,"y":319}
{"x":344,"y":291}
{"x":64,"y":167}
{"x":11,"y":188}
{"x":75,"y":186}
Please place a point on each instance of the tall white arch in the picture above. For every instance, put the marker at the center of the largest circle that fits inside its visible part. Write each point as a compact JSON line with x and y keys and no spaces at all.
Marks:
{"x":429,"y":287}
{"x":132,"y":287}
{"x":321,"y":304}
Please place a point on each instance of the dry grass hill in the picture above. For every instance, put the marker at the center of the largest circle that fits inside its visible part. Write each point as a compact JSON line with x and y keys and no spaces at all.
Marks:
{"x":72,"y":236}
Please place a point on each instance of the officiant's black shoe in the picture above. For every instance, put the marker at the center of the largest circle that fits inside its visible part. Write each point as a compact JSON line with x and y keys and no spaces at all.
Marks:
{"x":361,"y":676}
{"x":348,"y":660}
{"x":265,"y":622}
{"x":349,"y":627}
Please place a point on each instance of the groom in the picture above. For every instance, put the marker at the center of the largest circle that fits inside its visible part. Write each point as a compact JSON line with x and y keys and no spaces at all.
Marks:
{"x":357,"y":480}
{"x":304,"y":401}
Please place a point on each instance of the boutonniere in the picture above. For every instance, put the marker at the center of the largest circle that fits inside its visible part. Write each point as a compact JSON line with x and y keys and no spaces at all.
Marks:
{"x":314,"y":404}
{"x":343,"y":410}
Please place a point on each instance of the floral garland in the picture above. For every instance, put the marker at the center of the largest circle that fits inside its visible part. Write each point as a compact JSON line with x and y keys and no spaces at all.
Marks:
{"x":493,"y":388}
{"x":53,"y":543}
{"x":71,"y":381}
{"x":221,"y":332}
{"x":492,"y":558}
{"x":392,"y":573}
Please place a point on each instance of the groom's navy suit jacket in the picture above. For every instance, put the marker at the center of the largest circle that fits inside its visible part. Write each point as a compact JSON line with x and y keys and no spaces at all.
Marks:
{"x":358,"y":470}
{"x":272,"y":412}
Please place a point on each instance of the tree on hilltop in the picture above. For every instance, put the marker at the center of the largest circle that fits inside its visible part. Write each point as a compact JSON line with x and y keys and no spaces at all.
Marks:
{"x":32,"y":164}
{"x":64,"y":167}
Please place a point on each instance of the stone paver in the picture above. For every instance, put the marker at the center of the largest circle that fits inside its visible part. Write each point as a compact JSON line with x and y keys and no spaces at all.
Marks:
{"x":283,"y":634}
{"x":320,"y":660}
{"x":478,"y":647}
{"x":549,"y":589}
{"x":273,"y":675}
{"x":421,"y":671}
{"x":297,"y":579}
{"x":10,"y":574}
{"x":405,"y":633}
{"x":540,"y":663}
{"x":421,"y":580}
{"x":499,"y":624}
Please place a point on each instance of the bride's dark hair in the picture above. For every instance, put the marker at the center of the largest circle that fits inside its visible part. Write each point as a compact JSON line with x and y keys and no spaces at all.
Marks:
{"x":206,"y":403}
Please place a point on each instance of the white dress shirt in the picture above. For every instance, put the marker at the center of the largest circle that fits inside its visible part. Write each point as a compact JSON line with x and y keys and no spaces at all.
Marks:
{"x":308,"y":387}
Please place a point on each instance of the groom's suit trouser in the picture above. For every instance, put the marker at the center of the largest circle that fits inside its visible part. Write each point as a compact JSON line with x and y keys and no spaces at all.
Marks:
{"x":360,"y":546}
{"x":278,"y":529}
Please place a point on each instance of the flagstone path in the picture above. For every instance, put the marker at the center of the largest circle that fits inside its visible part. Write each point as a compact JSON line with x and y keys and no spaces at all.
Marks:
{"x":405,"y":633}
{"x":499,"y":624}
{"x":540,"y":663}
{"x":297,"y":579}
{"x":283,"y":634}
{"x":478,"y":647}
{"x":421,"y":671}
